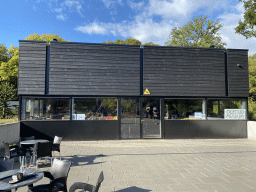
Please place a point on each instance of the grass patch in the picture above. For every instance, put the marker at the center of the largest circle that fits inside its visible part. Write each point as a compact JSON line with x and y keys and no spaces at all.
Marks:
{"x":6,"y":121}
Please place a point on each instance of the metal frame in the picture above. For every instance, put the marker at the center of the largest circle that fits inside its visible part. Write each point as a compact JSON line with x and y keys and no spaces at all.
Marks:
{"x":162,"y":120}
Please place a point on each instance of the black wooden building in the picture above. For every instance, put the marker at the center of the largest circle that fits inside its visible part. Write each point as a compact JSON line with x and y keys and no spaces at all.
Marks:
{"x":83,"y":91}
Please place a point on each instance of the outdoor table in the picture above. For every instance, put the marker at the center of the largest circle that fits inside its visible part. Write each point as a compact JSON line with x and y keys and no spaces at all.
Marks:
{"x":28,"y":143}
{"x":33,"y":142}
{"x":6,"y":176}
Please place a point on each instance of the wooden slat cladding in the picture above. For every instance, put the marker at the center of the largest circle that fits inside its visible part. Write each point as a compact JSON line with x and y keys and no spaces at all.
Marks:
{"x":32,"y":63}
{"x":177,"y":71}
{"x":238,"y":80}
{"x":94,"y":69}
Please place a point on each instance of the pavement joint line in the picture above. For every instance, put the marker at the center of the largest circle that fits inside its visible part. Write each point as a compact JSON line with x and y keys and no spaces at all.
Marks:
{"x":190,"y":164}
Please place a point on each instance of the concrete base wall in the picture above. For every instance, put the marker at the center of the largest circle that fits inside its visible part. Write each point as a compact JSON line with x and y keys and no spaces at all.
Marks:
{"x":182,"y":129}
{"x":71,"y":130}
{"x":251,"y":129}
{"x":9,"y":133}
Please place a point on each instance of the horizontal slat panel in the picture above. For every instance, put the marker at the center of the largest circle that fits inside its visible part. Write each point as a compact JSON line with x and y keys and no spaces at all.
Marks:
{"x":238,"y":81}
{"x":94,"y":69}
{"x":32,"y":60}
{"x":172,"y":71}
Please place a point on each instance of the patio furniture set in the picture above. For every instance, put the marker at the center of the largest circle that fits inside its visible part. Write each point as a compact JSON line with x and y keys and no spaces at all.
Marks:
{"x":11,"y":179}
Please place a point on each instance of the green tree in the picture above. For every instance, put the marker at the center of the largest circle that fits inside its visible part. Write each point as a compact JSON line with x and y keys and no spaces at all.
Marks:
{"x":9,"y":69}
{"x":7,"y":93}
{"x":151,"y":44}
{"x":197,"y":33}
{"x":45,"y":37}
{"x":252,"y":87}
{"x":247,"y":27}
{"x":3,"y":53}
{"x":128,"y":41}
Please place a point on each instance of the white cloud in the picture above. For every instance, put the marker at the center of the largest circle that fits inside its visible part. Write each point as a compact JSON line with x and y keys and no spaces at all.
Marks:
{"x":175,"y":13}
{"x":110,"y":3}
{"x":133,"y":5}
{"x":233,"y":40}
{"x":73,"y":4}
{"x":61,"y":16}
{"x":143,"y":30}
{"x":93,"y":28}
{"x":66,"y":7}
{"x":168,"y":8}
{"x":59,"y":10}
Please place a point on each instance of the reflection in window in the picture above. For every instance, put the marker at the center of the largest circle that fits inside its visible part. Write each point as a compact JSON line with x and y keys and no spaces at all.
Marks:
{"x":45,"y":109}
{"x":216,"y":108}
{"x":185,"y":109}
{"x":94,"y":109}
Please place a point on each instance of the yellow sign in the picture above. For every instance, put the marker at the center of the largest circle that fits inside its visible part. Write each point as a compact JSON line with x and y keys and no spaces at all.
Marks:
{"x":146,"y":92}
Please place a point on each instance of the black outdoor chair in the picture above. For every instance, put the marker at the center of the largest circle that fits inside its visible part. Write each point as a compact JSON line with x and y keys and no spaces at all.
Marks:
{"x":6,"y":165}
{"x":43,"y":150}
{"x":58,"y":177}
{"x":86,"y":186}
{"x":56,"y":144}
{"x":15,"y":152}
{"x":12,"y":152}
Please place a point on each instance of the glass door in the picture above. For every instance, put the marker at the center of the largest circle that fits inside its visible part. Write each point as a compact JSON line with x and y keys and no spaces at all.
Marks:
{"x":130,"y":118}
{"x":151,"y":121}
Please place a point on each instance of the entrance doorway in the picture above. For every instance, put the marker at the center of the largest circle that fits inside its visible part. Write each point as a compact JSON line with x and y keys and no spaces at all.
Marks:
{"x":140,"y":118}
{"x":130,"y":118}
{"x":151,"y":121}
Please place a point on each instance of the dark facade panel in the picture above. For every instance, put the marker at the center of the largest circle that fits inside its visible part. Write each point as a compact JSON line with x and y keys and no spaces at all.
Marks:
{"x":237,"y":69}
{"x":94,"y":69}
{"x":32,"y":63}
{"x":182,"y":129}
{"x":71,"y":130}
{"x":177,"y":71}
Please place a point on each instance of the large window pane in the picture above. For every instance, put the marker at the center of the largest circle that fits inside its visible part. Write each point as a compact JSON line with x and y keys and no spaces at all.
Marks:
{"x":94,"y":109}
{"x":185,"y":109}
{"x":232,"y":108}
{"x":45,"y":109}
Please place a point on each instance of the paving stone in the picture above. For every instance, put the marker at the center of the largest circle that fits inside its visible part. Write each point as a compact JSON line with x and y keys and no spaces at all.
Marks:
{"x":185,"y":187}
{"x":210,"y":186}
{"x":163,"y":181}
{"x":236,"y":179}
{"x":236,"y":186}
{"x":189,"y":180}
{"x":236,"y":173}
{"x":212,"y":179}
{"x":203,"y":165}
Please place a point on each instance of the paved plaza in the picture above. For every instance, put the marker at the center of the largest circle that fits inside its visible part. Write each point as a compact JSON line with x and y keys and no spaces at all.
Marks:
{"x":204,"y":165}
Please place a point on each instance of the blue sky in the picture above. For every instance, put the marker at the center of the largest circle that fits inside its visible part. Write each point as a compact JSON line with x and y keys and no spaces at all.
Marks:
{"x":96,"y":21}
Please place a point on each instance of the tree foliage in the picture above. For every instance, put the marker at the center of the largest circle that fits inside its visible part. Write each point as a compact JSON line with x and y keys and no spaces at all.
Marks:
{"x":247,"y":26}
{"x":252,"y":87}
{"x":151,"y":44}
{"x":197,"y":33}
{"x":128,"y":41}
{"x":3,"y":53}
{"x":45,"y":37}
{"x":7,"y":93}
{"x":9,"y":69}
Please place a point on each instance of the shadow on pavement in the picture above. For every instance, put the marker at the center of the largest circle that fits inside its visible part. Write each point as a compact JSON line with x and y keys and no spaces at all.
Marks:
{"x":79,"y":160}
{"x":133,"y":189}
